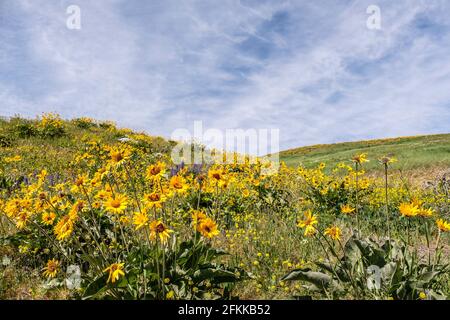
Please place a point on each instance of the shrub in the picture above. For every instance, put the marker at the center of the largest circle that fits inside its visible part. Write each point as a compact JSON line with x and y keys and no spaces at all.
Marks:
{"x":107,"y":125}
{"x":51,"y":126}
{"x":5,"y":141}
{"x":21,"y":128}
{"x":150,"y":144}
{"x":84,"y":123}
{"x":25,"y":130}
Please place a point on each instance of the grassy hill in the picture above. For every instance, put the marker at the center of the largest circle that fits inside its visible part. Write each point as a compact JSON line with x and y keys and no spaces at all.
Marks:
{"x":51,"y":146}
{"x":415,"y":152}
{"x":20,"y":136}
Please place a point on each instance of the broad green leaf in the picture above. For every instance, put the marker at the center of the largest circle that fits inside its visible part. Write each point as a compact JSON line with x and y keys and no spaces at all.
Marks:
{"x":319,"y":279}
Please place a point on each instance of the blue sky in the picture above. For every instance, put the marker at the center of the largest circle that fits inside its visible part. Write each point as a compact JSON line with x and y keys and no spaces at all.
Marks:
{"x":310,"y":68}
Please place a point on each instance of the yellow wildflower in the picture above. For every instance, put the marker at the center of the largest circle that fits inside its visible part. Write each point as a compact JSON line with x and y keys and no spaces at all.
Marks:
{"x":333,"y":232}
{"x":51,"y":269}
{"x":408,"y":210}
{"x":157,"y":228}
{"x":208,"y":228}
{"x":115,"y":272}
{"x":360,"y":158}
{"x":140,"y":220}
{"x":116,"y":204}
{"x":156,"y":171}
{"x":347,"y":209}
{"x":443,"y":225}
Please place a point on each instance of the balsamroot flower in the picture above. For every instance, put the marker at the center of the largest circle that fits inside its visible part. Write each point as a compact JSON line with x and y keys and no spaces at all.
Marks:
{"x":386,"y":160}
{"x":159,"y":229}
{"x":308,"y":223}
{"x":51,"y":269}
{"x":360,"y":158}
{"x":116,"y":204}
{"x":64,"y":228}
{"x":347,"y":209}
{"x":208,"y":228}
{"x":140,"y":219}
{"x":115,"y":272}
{"x":425,"y":212}
{"x":443,"y":225}
{"x":197,"y":217}
{"x":119,"y":155}
{"x":178,"y":184}
{"x":408,"y":210}
{"x":154,"y":200}
{"x":215,"y":174}
{"x":48,"y":218}
{"x":333,"y":232}
{"x":22,"y":219}
{"x":156,"y":171}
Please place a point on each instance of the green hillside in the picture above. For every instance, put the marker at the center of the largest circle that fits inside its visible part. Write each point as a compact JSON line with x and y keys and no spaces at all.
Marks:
{"x":18,"y":136}
{"x":52,"y":148}
{"x":412,"y":152}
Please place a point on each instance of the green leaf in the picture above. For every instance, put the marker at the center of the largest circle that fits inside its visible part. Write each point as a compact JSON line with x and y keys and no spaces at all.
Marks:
{"x":428,"y":276}
{"x":326,"y":266}
{"x":215,"y":275}
{"x":96,"y":287}
{"x":388,"y":274}
{"x":319,"y":279}
{"x":352,"y":252}
{"x":436,"y":296}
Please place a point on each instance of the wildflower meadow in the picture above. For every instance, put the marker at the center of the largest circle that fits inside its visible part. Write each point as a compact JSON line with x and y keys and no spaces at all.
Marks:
{"x":92,"y":211}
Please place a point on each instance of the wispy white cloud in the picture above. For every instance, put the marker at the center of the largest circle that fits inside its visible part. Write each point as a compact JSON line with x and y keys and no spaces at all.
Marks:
{"x":310,"y":68}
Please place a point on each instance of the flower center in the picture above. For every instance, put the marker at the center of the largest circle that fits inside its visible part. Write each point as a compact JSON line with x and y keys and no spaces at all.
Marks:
{"x":177,"y":185}
{"x":155,"y":170}
{"x":160,"y":228}
{"x":117,"y":156}
{"x":155,"y":197}
{"x":115,"y":203}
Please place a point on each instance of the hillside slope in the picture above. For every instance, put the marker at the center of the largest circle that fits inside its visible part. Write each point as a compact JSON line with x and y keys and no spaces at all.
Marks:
{"x":51,"y":142}
{"x":412,"y":152}
{"x":19,"y":136}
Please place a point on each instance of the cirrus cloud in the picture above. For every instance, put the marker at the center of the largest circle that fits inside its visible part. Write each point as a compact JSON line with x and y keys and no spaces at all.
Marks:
{"x":310,"y":68}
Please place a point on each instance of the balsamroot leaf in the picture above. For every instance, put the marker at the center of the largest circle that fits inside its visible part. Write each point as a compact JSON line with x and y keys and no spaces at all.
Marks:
{"x":428,"y":276}
{"x":389,"y":273}
{"x":319,"y":279}
{"x":215,"y":275}
{"x":96,"y":287}
{"x":326,"y":266}
{"x":436,"y":296}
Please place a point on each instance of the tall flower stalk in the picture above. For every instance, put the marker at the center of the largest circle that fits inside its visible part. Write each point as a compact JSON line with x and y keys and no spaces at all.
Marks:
{"x":385,"y":161}
{"x":358,"y":160}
